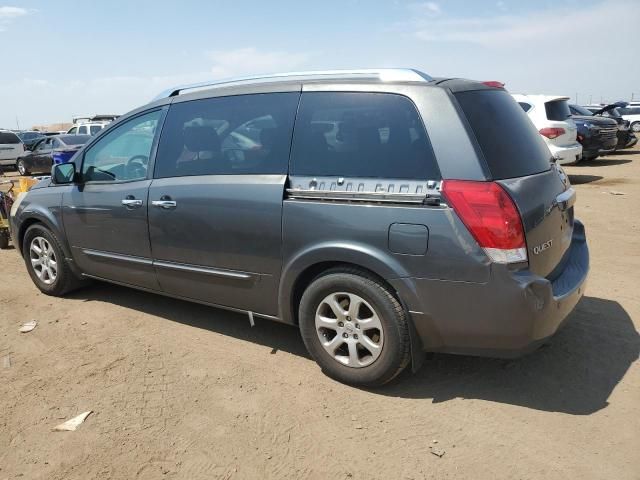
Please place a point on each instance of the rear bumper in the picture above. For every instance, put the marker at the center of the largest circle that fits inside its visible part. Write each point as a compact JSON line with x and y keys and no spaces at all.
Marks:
{"x":511,"y":314}
{"x":567,"y":154}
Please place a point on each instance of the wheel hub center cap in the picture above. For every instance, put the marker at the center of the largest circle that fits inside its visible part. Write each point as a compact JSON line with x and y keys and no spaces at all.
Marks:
{"x":349,"y":328}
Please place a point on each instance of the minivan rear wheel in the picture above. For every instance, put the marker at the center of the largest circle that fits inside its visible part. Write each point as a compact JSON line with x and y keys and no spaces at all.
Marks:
{"x":354,"y":327}
{"x":46,"y":263}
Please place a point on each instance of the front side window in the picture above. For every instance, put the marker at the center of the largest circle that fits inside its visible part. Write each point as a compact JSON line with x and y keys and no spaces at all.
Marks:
{"x":73,"y":131}
{"x":122,"y":154}
{"x":375,"y":135}
{"x":44,"y":145}
{"x":243,"y":134}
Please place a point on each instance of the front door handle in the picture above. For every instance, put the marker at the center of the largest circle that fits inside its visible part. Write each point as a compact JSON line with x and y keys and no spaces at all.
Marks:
{"x":165,"y":202}
{"x":131,"y":202}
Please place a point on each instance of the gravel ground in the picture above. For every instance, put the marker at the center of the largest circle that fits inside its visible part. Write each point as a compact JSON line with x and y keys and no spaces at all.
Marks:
{"x":182,"y":391}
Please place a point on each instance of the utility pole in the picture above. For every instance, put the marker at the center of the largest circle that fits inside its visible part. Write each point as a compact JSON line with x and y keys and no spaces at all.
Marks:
{"x":590,"y":99}
{"x":577,"y":102}
{"x":17,"y":122}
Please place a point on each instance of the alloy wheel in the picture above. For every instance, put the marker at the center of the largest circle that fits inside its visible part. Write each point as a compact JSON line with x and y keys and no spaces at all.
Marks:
{"x":349,"y":329}
{"x":43,"y":260}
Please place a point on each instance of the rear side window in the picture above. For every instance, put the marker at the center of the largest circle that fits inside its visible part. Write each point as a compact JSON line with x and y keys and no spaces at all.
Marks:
{"x":9,"y":138}
{"x":373,"y":135}
{"x":93,"y":129}
{"x":244,"y":134}
{"x":511,"y":145}
{"x":557,"y":110}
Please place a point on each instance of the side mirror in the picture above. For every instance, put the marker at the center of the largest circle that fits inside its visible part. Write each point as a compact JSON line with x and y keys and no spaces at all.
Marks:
{"x":63,"y":173}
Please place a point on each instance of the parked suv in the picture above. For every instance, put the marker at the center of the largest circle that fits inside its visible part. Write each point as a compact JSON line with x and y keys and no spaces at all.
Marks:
{"x":552,"y":118}
{"x":11,"y":147}
{"x":402,"y":214}
{"x":597,"y":135}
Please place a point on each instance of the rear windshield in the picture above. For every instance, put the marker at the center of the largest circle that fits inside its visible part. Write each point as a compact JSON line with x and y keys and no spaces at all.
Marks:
{"x":511,"y":145}
{"x":8,"y":137}
{"x":557,"y":110}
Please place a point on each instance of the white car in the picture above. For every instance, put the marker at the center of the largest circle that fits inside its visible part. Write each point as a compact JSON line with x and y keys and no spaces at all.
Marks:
{"x":631,"y":113}
{"x":87,"y":128}
{"x":552,"y":117}
{"x":11,"y":147}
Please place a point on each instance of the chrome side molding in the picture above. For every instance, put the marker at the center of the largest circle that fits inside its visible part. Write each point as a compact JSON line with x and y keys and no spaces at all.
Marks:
{"x":356,"y":196}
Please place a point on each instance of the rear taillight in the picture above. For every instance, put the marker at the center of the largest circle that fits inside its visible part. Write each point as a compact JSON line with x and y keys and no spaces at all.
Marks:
{"x":491,"y":217}
{"x":493,"y":84}
{"x":552,"y":132}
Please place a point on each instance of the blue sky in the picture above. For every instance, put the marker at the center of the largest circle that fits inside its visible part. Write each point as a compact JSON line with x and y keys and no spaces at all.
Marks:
{"x":76,"y":57}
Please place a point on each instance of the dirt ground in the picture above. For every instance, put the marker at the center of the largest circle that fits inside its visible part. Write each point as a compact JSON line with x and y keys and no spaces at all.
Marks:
{"x":182,"y":391}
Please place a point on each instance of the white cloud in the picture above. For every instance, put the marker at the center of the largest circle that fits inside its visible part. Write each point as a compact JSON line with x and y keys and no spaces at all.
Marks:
{"x":12,"y":12}
{"x":242,"y":61}
{"x":8,"y":14}
{"x":429,"y":9}
{"x":513,"y":31}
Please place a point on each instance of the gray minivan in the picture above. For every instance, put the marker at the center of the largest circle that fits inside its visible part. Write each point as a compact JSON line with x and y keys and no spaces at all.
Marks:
{"x":384,"y":212}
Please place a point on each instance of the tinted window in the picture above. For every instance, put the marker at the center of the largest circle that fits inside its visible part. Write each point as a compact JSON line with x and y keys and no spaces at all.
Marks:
{"x":83,"y":130}
{"x":361,"y":135}
{"x":29,"y":135}
{"x":93,"y":129}
{"x":123,"y":153}
{"x":525,"y":106}
{"x":557,"y":110}
{"x":629,"y":111}
{"x":244,"y":134}
{"x":73,"y":130}
{"x":511,"y":145}
{"x":577,"y":110}
{"x":8,"y":137}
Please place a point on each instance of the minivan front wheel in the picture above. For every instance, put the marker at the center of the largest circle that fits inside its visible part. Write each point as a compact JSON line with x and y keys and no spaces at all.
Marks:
{"x":354,"y":328}
{"x":46,"y":263}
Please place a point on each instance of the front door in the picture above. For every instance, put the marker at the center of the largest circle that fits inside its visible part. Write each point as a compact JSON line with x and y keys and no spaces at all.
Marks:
{"x":215,"y":204}
{"x":105,"y":215}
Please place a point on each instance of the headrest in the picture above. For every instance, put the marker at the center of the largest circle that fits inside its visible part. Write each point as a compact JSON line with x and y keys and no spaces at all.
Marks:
{"x":201,"y":139}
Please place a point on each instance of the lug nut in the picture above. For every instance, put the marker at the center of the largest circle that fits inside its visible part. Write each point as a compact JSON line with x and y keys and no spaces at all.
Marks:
{"x":340,"y":324}
{"x":355,"y":335}
{"x":357,"y":325}
{"x":345,"y":335}
{"x":348,"y":319}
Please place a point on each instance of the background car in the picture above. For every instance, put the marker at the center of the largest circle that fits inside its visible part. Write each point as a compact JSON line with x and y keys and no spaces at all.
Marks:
{"x":632,"y":114}
{"x":50,"y":150}
{"x":626,"y":138}
{"x":29,"y":138}
{"x":11,"y":147}
{"x":597,"y":135}
{"x":552,"y":117}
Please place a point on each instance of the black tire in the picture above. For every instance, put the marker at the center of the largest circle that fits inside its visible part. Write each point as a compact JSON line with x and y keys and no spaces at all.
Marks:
{"x":65,"y":280}
{"x":22,"y":168}
{"x":589,"y":159}
{"x":395,"y":352}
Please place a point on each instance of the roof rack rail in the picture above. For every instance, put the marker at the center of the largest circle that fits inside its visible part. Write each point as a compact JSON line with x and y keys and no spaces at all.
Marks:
{"x":381,"y":74}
